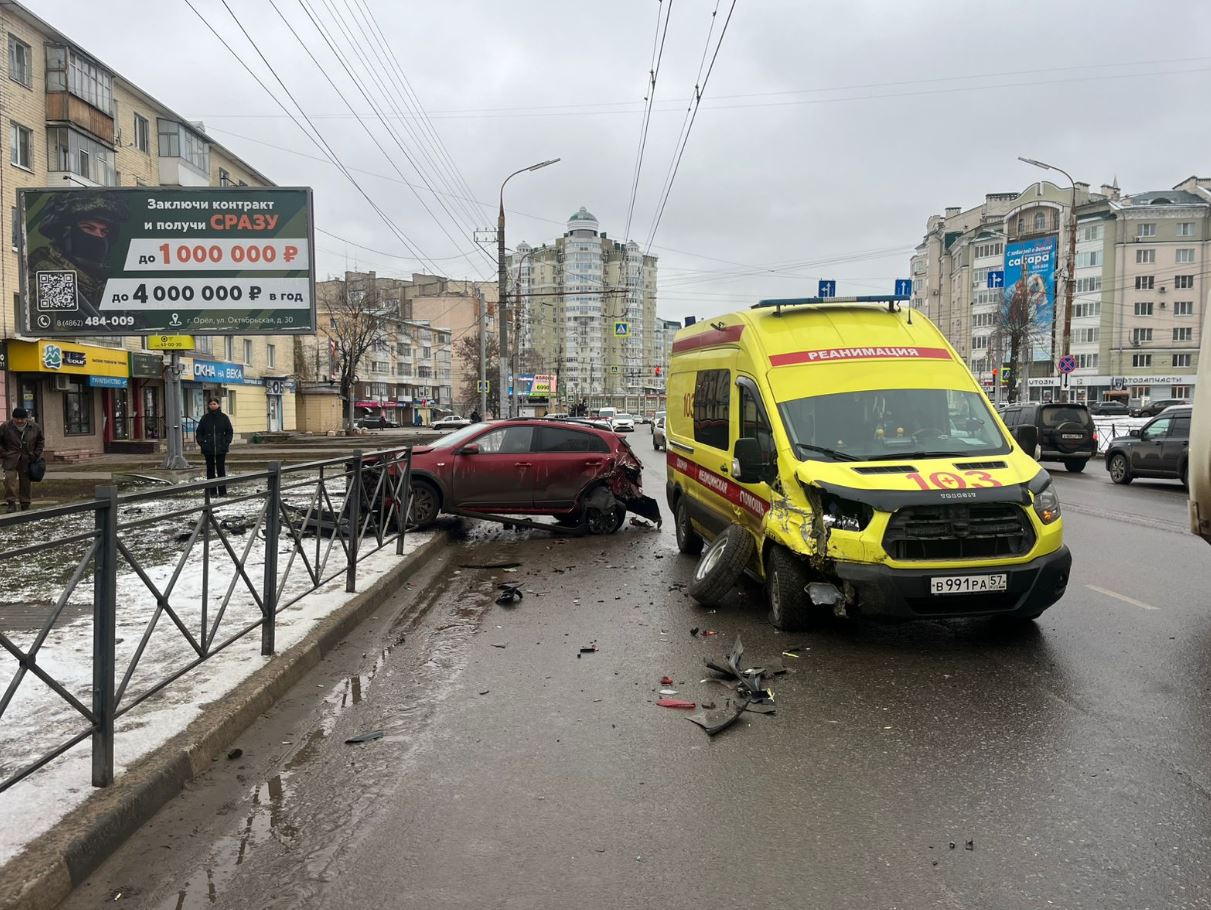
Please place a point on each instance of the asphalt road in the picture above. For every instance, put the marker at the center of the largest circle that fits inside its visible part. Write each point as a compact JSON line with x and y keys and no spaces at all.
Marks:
{"x":940,"y":764}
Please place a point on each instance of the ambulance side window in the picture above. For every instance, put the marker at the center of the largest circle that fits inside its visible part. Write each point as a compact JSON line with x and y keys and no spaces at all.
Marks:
{"x":753,"y":421}
{"x":712,"y":396}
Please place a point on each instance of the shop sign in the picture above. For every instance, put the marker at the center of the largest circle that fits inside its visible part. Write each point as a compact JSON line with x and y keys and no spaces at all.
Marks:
{"x":146,"y":366}
{"x":218,"y":372}
{"x":64,"y":357}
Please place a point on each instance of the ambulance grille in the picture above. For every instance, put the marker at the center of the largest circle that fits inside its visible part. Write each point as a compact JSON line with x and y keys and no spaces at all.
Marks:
{"x":982,"y":530}
{"x":981,"y":466}
{"x":887,"y":469}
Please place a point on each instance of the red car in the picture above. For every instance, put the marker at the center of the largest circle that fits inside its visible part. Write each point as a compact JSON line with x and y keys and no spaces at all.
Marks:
{"x":575,"y":473}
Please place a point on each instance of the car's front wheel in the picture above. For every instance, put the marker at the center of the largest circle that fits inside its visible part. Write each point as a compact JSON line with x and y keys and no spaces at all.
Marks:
{"x":688,"y":540}
{"x":1120,"y":468}
{"x":424,"y":503}
{"x":786,"y":579}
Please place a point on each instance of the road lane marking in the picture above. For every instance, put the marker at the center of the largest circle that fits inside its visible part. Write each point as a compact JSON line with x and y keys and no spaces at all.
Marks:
{"x":1123,"y":597}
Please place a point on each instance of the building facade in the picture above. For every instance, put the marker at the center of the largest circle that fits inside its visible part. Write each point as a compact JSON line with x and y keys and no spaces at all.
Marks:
{"x":73,"y":121}
{"x":1139,"y":290}
{"x":587,"y":314}
{"x":457,"y":305}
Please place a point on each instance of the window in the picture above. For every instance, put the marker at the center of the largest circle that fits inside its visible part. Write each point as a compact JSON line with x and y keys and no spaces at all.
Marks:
{"x":1143,"y":309}
{"x":426,"y":353}
{"x":68,"y":150}
{"x":16,"y":228}
{"x":1183,"y":334}
{"x":1183,"y":282}
{"x":271,"y":356}
{"x":1181,"y":360}
{"x":1080,"y":310}
{"x":21,"y":142}
{"x":1157,"y":429}
{"x":505,"y":441}
{"x":68,"y":71}
{"x":178,"y":141}
{"x":247,"y":350}
{"x":1180,"y":391}
{"x":1183,"y":308}
{"x":1090,"y":232}
{"x":1085,"y":336}
{"x":1146,"y":230}
{"x":1089,"y":259}
{"x":1180,"y":428}
{"x":225,"y":178}
{"x":1185,"y":229}
{"x":1089,"y":285}
{"x":979,"y":342}
{"x":1145,"y":256}
{"x":1140,"y":335}
{"x":559,"y":439}
{"x":20,"y":62}
{"x":1086,"y":361}
{"x":1141,"y":360}
{"x":1144,"y":282}
{"x":229,"y":402}
{"x":754,"y":424}
{"x":1040,"y":221}
{"x":1184,"y":255}
{"x":142,"y":134}
{"x":984,"y":250}
{"x":228,"y":348}
{"x":77,"y":408}
{"x":712,"y":401}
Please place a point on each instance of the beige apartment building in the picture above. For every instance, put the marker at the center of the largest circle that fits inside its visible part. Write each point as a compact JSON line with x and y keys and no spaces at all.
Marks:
{"x":73,"y":120}
{"x":456,"y":305}
{"x":1139,"y":288}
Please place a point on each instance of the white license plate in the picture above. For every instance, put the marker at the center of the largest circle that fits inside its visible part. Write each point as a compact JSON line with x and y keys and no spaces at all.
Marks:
{"x":967,"y":584}
{"x":1073,"y":436}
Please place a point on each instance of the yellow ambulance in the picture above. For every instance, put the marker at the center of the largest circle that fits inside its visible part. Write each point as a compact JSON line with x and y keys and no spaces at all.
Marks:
{"x":840,"y":451}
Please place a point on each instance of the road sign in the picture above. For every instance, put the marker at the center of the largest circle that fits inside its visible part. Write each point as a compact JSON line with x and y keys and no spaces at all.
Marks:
{"x":483,"y":385}
{"x":996,"y":279}
{"x":1067,"y":364}
{"x":170,"y":343}
{"x":1119,"y":383}
{"x":615,"y":370}
{"x":622,"y":329}
{"x":903,"y":287}
{"x":828,"y":288}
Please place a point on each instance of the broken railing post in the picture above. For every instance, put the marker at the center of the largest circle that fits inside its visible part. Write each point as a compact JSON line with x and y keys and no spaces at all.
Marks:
{"x":273,"y":527}
{"x":403,"y":501}
{"x":353,"y":499}
{"x":105,"y":608}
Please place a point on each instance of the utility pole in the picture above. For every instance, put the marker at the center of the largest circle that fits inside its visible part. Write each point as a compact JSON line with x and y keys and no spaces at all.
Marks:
{"x":483,"y":354}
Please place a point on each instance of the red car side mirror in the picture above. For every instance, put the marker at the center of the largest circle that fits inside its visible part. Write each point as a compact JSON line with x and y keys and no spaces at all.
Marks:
{"x":471,"y":449}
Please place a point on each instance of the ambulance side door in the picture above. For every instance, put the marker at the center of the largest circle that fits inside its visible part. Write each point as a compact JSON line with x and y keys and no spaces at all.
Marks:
{"x":752,"y":421}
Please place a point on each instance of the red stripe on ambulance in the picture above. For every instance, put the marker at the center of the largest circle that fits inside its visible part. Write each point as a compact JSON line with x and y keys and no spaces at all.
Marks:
{"x":728,"y":335}
{"x":827,"y":355}
{"x":728,"y":489}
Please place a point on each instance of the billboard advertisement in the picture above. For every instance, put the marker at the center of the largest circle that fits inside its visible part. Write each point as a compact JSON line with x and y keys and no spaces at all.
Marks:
{"x":167,"y":260}
{"x":1030,"y":288}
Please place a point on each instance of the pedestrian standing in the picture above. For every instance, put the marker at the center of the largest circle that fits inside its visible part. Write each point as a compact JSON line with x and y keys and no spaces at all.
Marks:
{"x":21,"y":442}
{"x":213,"y":437}
{"x":475,"y":418}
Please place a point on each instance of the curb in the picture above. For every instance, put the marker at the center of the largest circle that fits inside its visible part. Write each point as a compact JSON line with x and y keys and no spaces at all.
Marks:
{"x":43,"y":875}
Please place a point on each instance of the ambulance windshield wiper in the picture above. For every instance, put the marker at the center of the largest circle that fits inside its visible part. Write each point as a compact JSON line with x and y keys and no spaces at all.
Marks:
{"x":840,"y":456}
{"x":892,"y":456}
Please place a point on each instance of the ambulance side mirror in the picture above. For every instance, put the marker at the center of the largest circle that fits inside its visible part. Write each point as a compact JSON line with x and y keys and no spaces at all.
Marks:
{"x":746,"y":461}
{"x":1027,"y":436}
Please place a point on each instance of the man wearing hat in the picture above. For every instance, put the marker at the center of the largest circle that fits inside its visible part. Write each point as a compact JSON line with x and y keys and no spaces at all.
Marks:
{"x":21,"y":441}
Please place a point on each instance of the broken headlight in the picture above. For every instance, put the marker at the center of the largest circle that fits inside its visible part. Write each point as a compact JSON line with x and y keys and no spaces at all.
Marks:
{"x":845,"y":514}
{"x":1047,"y":504}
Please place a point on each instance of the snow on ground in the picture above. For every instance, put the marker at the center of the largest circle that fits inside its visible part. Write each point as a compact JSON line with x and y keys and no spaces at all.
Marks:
{"x":37,"y":720}
{"x":1110,"y":428}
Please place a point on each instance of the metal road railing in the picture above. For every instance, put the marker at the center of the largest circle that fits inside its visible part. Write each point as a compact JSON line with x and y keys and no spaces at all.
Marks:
{"x":307,"y":513}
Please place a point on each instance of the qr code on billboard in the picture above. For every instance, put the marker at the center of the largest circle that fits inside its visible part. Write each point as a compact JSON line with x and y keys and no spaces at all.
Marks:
{"x":56,"y":292}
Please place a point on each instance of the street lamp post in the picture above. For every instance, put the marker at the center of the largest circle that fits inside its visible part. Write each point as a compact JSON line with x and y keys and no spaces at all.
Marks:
{"x":1070,"y":267}
{"x":502,"y":278}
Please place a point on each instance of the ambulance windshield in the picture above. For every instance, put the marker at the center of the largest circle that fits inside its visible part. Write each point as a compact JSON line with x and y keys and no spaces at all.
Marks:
{"x":892,"y":423}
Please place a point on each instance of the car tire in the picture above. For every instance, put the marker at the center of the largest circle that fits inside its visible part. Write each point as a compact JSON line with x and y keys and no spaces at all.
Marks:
{"x":689,"y":541}
{"x":1183,"y":474}
{"x":423,"y":504}
{"x":721,"y":565}
{"x":1076,"y":465}
{"x":603,"y":514}
{"x":786,"y":579}
{"x":1119,"y":468}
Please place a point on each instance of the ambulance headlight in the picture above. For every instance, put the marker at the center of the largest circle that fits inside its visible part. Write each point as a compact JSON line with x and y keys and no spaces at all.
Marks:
{"x":1047,"y":504}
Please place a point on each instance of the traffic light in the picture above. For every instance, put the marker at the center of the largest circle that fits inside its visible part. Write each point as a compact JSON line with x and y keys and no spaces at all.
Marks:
{"x":657,"y":371}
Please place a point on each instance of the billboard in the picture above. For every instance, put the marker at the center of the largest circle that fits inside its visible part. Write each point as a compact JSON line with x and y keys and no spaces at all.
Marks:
{"x":167,"y":260}
{"x":1030,"y":287}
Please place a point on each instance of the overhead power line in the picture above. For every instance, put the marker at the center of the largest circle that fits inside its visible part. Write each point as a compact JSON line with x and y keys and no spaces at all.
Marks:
{"x":649,"y":101}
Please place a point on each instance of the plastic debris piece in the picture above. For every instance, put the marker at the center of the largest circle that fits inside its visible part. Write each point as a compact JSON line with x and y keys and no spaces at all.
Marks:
{"x":709,"y":633}
{"x":666,"y":680}
{"x":234,"y":754}
{"x":365,"y":737}
{"x":668,"y":691}
{"x":509,"y":595}
{"x":676,"y":703}
{"x":484,"y":691}
{"x":789,"y":654}
{"x":490,"y":565}
{"x":824,"y":594}
{"x":502,"y":647}
{"x":694,"y":632}
{"x":717,"y":721}
{"x":970,"y":845}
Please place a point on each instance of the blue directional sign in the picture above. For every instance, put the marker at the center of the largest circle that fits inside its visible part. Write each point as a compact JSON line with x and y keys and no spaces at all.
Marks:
{"x":996,"y":279}
{"x":622,"y":329}
{"x":903,"y":287}
{"x":828,"y":288}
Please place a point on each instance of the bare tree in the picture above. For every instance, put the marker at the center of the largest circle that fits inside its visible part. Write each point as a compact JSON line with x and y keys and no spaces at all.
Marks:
{"x":466,"y":349}
{"x":357,"y":320}
{"x":1016,"y":334}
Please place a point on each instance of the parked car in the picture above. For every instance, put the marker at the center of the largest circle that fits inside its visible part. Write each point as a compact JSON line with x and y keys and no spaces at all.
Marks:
{"x":584,"y":421}
{"x":1152,"y":408}
{"x":376,"y":423}
{"x":659,"y":416}
{"x":658,"y":440}
{"x":577,"y":474}
{"x":453,"y":422}
{"x":622,"y":423}
{"x":1108,"y":409}
{"x":1161,"y":448}
{"x":1066,"y":431}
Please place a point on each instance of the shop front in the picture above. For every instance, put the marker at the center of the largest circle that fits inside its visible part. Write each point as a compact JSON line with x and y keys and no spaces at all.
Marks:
{"x":78,"y":393}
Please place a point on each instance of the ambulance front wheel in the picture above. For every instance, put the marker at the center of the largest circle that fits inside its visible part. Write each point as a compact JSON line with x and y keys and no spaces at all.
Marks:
{"x":688,"y":540}
{"x":786,"y":579}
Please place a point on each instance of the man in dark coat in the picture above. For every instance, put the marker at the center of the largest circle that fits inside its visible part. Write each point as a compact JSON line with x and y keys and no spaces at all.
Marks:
{"x":213,"y":436}
{"x":21,"y":441}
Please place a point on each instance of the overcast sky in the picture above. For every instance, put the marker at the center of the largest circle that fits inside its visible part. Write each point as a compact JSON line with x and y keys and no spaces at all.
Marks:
{"x":827,"y":134}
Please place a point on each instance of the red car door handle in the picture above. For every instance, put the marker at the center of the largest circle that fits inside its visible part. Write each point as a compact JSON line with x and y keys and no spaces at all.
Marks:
{"x":522,"y":464}
{"x":592,"y":461}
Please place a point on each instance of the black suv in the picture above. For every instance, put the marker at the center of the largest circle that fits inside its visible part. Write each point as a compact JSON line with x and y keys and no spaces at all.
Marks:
{"x":1066,"y":431}
{"x":1152,"y":408}
{"x":1161,"y":448}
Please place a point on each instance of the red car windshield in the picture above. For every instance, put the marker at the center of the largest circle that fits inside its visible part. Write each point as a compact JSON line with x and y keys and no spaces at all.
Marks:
{"x":457,"y":437}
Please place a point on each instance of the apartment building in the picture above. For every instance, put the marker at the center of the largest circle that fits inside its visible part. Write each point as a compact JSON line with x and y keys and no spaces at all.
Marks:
{"x":588,"y":314}
{"x":1139,"y":293}
{"x":457,"y":305}
{"x":73,"y":120}
{"x":405,"y":374}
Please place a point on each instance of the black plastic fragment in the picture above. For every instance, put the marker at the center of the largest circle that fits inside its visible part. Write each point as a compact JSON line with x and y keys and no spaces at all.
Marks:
{"x":365,"y":737}
{"x":509,"y":594}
